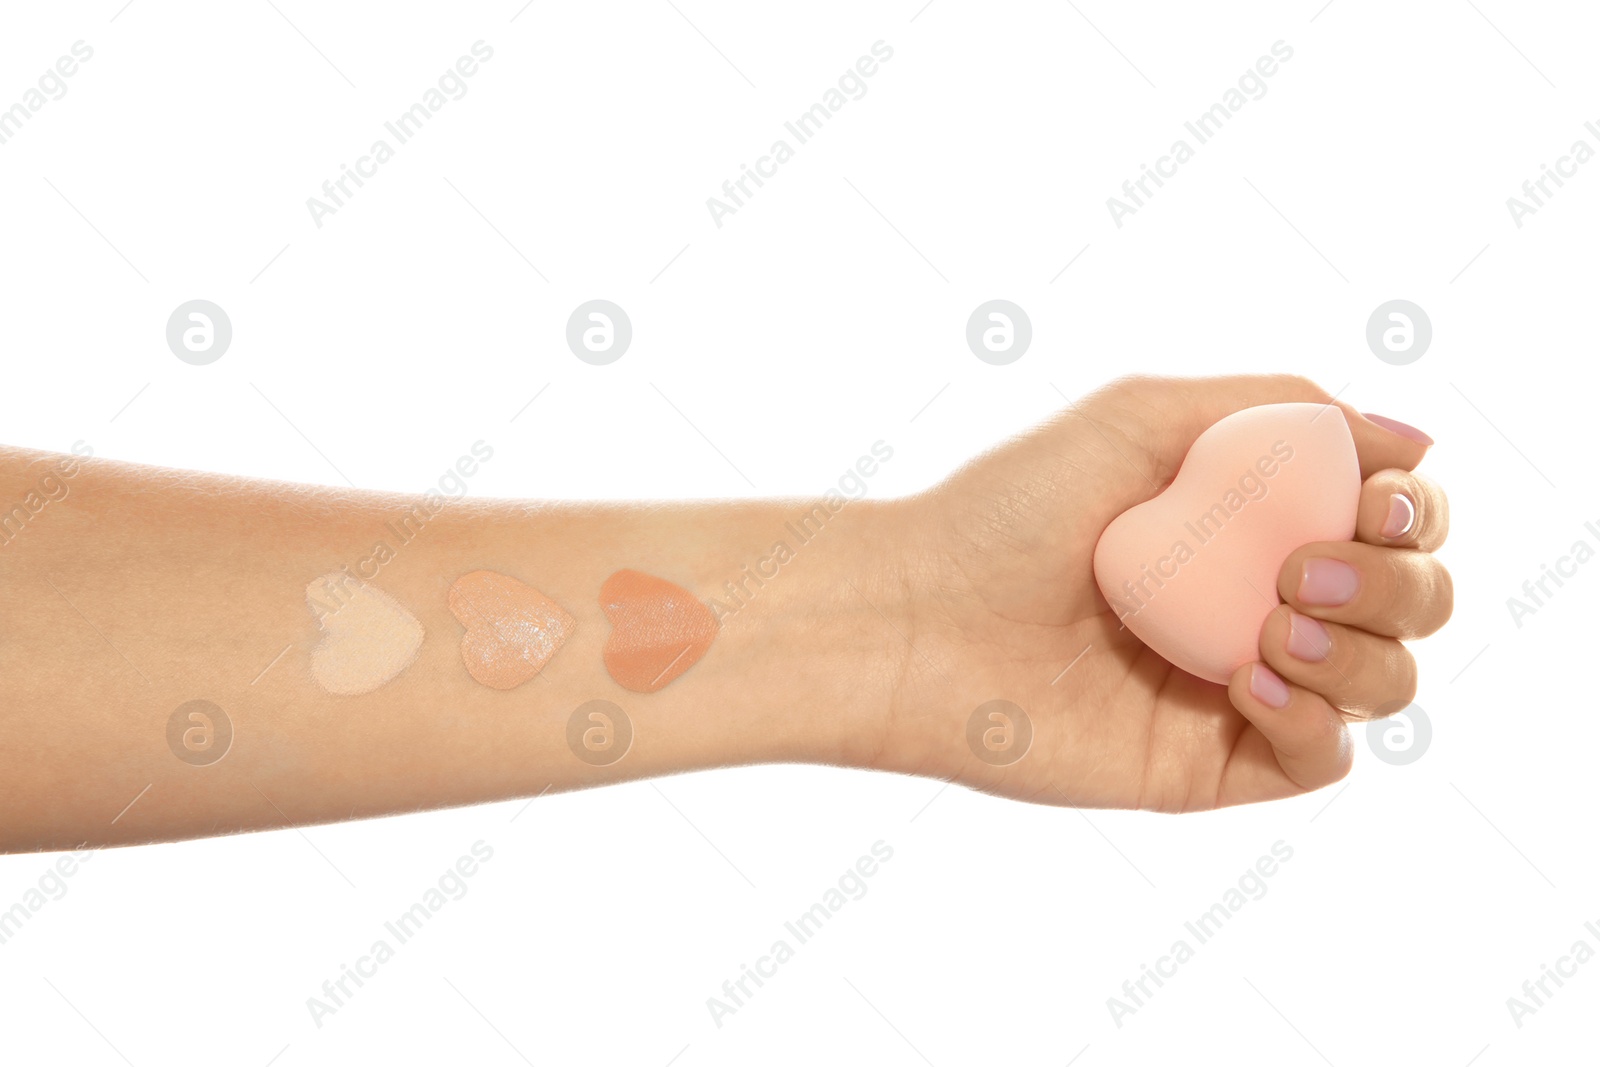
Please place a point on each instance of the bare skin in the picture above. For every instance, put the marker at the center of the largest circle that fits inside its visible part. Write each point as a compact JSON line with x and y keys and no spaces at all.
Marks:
{"x":141,"y":589}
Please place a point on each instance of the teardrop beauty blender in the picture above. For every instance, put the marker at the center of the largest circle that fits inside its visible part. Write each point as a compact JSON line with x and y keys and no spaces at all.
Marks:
{"x":1194,"y":571}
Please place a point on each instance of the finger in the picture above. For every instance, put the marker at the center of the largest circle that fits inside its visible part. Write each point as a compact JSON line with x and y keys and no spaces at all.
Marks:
{"x":1161,"y":417}
{"x":1303,"y":744}
{"x":1353,"y":670}
{"x":1402,"y":510}
{"x":1382,"y":443}
{"x":1396,"y":592}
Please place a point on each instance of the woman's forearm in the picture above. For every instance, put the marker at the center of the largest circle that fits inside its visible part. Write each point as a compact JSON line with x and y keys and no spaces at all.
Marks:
{"x":349,"y":654}
{"x":141,"y":590}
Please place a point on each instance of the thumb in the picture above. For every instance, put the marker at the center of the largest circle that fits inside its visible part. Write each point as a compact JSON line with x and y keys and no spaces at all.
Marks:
{"x":1160,"y":418}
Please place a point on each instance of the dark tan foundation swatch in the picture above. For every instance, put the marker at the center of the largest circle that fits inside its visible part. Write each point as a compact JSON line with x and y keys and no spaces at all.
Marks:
{"x":512,"y":628}
{"x":658,"y":630}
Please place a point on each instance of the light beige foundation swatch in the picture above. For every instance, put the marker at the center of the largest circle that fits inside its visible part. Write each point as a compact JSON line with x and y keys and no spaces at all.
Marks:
{"x":512,"y":628}
{"x":367,"y":637}
{"x":658,"y":630}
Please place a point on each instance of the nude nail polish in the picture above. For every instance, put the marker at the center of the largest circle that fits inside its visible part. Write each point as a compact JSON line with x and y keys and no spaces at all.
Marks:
{"x":1396,"y":426}
{"x":1308,"y":639}
{"x":1327,"y":582}
{"x":1267,"y":687}
{"x":1402,"y":513}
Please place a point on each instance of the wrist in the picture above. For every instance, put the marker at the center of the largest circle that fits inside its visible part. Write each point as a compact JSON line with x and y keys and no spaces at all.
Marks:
{"x":815,"y":627}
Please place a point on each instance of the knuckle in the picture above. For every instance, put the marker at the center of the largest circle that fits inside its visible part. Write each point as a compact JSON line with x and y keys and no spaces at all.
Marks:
{"x":1384,"y":679}
{"x":1395,"y":576}
{"x":1442,"y":595}
{"x":1400,"y":678}
{"x":1336,"y":764}
{"x":1433,"y":511}
{"x":1429,"y":595}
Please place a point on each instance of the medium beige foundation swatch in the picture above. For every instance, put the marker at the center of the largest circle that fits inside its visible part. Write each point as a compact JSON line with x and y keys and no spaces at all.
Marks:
{"x":512,"y":628}
{"x":658,"y":630}
{"x":367,"y":637}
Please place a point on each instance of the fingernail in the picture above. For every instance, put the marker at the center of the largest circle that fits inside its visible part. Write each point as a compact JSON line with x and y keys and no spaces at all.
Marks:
{"x":1327,"y":582}
{"x":1308,"y":639}
{"x":1401,"y":515}
{"x":1267,"y":687}
{"x":1396,"y":426}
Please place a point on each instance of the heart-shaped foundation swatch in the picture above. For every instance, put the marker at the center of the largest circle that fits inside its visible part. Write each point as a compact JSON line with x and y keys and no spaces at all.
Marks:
{"x":367,"y":637}
{"x":512,"y":628}
{"x":1194,"y":572}
{"x":658,"y":630}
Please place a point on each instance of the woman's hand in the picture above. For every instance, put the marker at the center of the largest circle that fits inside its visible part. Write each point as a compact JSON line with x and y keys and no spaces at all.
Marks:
{"x":1004,"y":605}
{"x":196,"y":586}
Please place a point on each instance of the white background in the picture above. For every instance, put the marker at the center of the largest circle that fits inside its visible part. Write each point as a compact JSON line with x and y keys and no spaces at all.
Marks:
{"x":827,"y":314}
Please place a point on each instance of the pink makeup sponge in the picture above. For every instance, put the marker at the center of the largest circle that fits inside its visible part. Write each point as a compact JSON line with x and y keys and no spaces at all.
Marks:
{"x":1194,"y":572}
